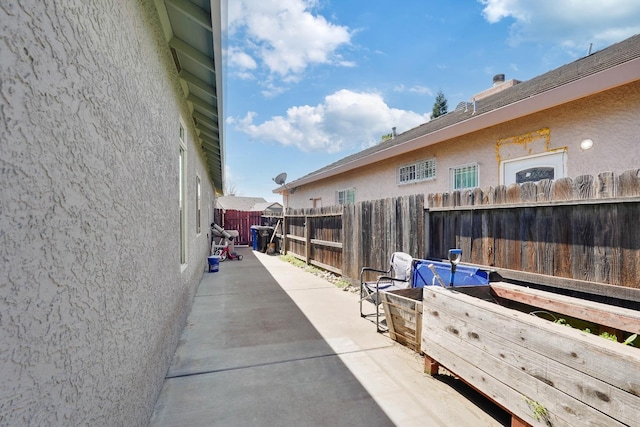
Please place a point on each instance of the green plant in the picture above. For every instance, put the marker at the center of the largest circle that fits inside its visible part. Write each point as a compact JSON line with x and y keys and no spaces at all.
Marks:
{"x":540,"y":413}
{"x":608,"y":336}
{"x":630,"y":340}
{"x":342,"y":283}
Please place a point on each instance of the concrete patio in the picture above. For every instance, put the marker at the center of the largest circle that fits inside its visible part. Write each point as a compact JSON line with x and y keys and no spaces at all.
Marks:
{"x":269,"y":344}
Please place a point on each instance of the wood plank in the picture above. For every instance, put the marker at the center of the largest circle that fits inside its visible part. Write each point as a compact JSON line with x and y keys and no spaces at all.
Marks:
{"x":544,"y":245}
{"x":499,"y":392}
{"x":553,"y":203}
{"x":630,"y":246}
{"x":326,"y":243}
{"x":602,"y":289}
{"x":536,"y":375}
{"x":614,"y":317}
{"x":527,"y":237}
{"x":568,"y":346}
{"x":563,"y":409}
{"x":582,"y":241}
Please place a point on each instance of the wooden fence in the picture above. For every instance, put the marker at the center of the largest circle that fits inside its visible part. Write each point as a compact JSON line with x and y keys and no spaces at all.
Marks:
{"x":238,"y":220}
{"x":343,"y":239}
{"x":374,"y":230}
{"x":587,"y":228}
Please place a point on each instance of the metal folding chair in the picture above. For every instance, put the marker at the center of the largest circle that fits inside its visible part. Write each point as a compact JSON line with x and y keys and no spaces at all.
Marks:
{"x":398,"y":276}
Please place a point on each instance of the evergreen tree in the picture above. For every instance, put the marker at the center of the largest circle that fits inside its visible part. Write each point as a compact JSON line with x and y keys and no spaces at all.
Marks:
{"x":439,"y":106}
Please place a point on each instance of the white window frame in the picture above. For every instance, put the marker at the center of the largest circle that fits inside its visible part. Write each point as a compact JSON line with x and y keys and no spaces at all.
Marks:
{"x":182,"y":183}
{"x":454,"y":171}
{"x":198,"y":205}
{"x":346,"y":196}
{"x":422,"y":170}
{"x":556,"y":159}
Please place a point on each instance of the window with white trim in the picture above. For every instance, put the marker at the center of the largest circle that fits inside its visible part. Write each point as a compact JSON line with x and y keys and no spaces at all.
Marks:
{"x":418,"y":171}
{"x":182,"y":197}
{"x":198,"y":205}
{"x":347,"y":196}
{"x":464,"y":177}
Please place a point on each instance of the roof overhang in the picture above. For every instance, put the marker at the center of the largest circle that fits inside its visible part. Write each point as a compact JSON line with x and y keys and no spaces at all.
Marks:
{"x":193,"y":32}
{"x":593,"y":84}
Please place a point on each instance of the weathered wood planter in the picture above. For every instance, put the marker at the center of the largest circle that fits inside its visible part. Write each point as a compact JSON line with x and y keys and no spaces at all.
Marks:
{"x":543,"y":373}
{"x":403,"y":313}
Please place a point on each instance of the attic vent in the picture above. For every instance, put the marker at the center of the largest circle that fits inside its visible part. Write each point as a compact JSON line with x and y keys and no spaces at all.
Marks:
{"x":464,"y":106}
{"x":174,"y":54}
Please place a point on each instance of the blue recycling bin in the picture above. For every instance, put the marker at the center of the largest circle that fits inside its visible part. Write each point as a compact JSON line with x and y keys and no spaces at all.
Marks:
{"x":254,"y":237}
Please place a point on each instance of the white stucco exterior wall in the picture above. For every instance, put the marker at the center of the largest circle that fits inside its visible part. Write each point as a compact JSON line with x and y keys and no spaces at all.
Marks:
{"x":92,"y":293}
{"x":609,"y":119}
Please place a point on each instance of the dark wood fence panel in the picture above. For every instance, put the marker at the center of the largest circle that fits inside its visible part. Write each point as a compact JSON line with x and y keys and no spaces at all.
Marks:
{"x":585,"y":228}
{"x":375,"y":229}
{"x":343,"y":239}
{"x":240,"y":221}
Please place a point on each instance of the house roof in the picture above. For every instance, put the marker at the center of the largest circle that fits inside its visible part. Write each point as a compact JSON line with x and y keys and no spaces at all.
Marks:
{"x":267,"y":206}
{"x":245,"y":204}
{"x":611,"y":67}
{"x":193,"y":31}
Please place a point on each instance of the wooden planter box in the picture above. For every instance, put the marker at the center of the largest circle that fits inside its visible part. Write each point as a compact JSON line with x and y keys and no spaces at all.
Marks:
{"x":541,"y":372}
{"x":403,"y":312}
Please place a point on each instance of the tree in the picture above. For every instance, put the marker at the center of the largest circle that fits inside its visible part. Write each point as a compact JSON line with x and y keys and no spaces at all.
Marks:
{"x":439,"y":106}
{"x":230,"y":189}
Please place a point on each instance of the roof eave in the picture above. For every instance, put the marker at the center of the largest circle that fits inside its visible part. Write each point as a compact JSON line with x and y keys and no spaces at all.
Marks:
{"x":611,"y":78}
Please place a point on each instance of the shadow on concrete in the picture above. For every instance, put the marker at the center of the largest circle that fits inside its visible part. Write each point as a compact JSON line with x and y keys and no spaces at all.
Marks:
{"x":249,"y":356}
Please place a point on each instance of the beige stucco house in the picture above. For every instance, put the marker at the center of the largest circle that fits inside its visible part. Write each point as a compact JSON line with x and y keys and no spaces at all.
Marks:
{"x":111,"y":155}
{"x":581,"y":118}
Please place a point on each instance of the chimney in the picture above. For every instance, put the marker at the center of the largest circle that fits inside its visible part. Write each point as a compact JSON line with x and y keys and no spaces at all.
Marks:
{"x":393,"y":131}
{"x":498,"y":79}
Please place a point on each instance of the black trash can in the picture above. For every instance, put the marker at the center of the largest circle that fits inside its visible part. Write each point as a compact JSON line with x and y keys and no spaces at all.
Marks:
{"x":261,"y":236}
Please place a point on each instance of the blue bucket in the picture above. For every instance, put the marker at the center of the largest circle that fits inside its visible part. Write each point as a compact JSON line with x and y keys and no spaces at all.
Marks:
{"x":214,"y":263}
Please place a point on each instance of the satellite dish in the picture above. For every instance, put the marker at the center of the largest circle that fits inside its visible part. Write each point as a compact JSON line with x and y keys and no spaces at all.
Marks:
{"x":281,"y":178}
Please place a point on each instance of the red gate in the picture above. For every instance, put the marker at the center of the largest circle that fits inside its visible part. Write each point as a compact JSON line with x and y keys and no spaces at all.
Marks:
{"x":240,"y":221}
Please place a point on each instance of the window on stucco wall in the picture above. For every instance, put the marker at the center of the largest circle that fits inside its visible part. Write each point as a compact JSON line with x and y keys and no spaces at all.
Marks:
{"x":198,"y":205}
{"x":344,"y":197}
{"x":464,"y":177}
{"x":182,"y":196}
{"x":414,"y":172}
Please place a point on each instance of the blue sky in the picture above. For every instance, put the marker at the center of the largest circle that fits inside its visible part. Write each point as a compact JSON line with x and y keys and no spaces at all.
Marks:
{"x":308,"y":82}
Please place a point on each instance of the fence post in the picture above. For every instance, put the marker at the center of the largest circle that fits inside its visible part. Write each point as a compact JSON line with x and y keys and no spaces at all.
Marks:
{"x":307,"y":239}
{"x":285,"y":228}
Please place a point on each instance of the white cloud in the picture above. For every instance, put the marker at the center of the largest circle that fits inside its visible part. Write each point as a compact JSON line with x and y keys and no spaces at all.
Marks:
{"x":420,"y":90}
{"x":285,"y":35}
{"x":240,"y":59}
{"x":345,"y":120}
{"x":571,"y":24}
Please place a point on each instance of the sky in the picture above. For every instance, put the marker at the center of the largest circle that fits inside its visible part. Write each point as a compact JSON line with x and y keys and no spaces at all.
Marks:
{"x":309,"y":82}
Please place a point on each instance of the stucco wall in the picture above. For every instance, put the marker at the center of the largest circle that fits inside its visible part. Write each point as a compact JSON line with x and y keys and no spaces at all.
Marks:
{"x":92,"y":293}
{"x":610,"y":120}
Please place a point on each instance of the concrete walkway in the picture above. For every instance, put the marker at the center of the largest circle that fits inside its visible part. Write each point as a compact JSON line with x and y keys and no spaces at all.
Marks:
{"x":268,"y":344}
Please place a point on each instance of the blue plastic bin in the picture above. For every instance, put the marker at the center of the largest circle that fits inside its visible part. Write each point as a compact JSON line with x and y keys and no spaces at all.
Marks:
{"x":254,"y":237}
{"x":214,"y":263}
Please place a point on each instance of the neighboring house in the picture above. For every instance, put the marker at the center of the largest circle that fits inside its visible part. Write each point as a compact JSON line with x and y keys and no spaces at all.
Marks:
{"x":110,"y":156}
{"x":239,"y":203}
{"x":580,"y":119}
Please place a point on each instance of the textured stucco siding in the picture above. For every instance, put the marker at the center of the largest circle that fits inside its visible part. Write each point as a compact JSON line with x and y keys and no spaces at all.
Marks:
{"x":92,"y":293}
{"x":609,"y":119}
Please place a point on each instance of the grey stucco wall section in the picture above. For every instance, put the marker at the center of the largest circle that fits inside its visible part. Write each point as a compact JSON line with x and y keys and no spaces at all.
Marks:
{"x":92,"y":294}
